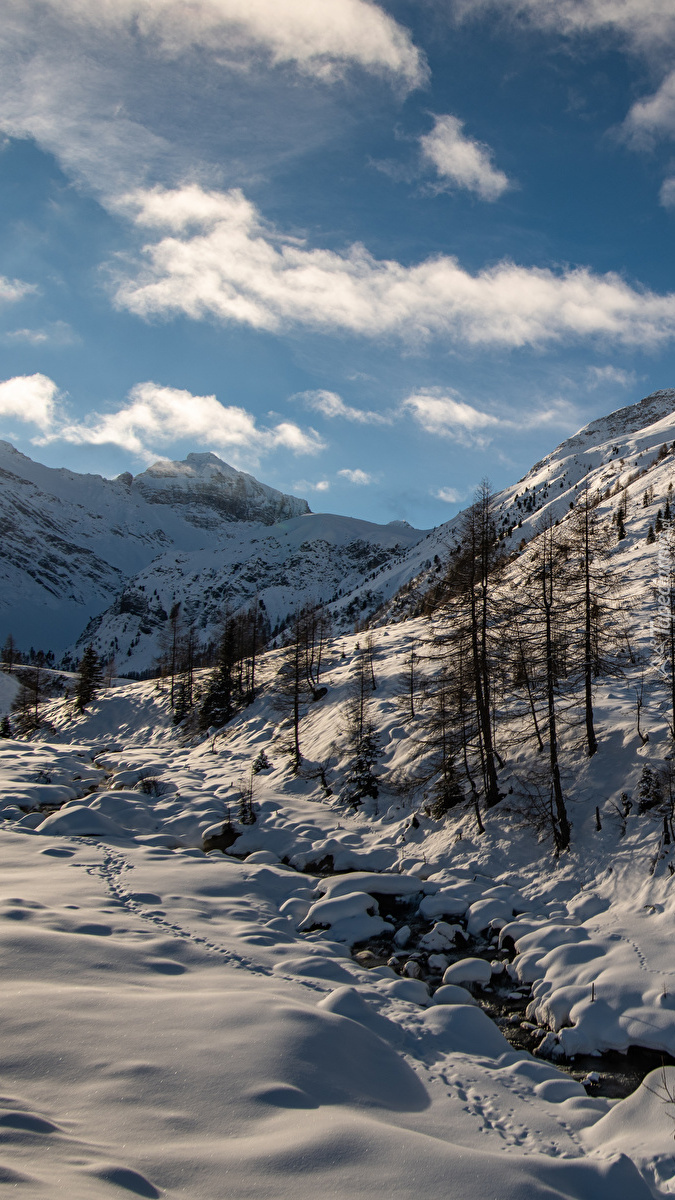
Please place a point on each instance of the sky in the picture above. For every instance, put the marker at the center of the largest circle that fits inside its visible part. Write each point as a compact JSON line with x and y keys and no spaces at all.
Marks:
{"x":369,"y":252}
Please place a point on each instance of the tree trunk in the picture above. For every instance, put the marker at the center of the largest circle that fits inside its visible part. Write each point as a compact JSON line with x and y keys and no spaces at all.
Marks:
{"x":561,"y":822}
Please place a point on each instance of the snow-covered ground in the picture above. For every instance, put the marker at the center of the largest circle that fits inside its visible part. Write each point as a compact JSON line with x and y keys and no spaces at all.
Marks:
{"x":9,"y":690}
{"x":167,"y":1033}
{"x":188,"y":1024}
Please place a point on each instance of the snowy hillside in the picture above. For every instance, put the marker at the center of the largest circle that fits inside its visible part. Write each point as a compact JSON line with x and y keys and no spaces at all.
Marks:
{"x":616,"y":451}
{"x":360,"y":570}
{"x":72,"y":544}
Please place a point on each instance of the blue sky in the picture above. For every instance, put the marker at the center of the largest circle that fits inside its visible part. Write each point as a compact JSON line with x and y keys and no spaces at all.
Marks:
{"x":369,"y":252}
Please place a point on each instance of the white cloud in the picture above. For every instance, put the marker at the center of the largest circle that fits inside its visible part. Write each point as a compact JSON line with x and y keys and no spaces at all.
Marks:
{"x":442,"y":414}
{"x":319,"y":38}
{"x":213,"y":257}
{"x":653,"y":116}
{"x":29,"y":398}
{"x":92,"y":81}
{"x":157,"y":416}
{"x":461,"y":161}
{"x":556,"y":413}
{"x":290,"y":435}
{"x":645,"y":24}
{"x":357,"y":476}
{"x":667,"y":193}
{"x":332,"y":405}
{"x":12,"y":290}
{"x":448,"y":494}
{"x":58,"y":333}
{"x":645,"y":27}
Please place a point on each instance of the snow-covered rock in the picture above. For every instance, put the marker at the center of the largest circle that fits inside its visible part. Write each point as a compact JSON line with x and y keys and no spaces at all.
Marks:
{"x":453,"y":993}
{"x":468,"y":970}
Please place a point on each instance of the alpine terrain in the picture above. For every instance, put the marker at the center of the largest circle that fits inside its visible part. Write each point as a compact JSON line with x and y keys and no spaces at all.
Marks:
{"x":367,"y":887}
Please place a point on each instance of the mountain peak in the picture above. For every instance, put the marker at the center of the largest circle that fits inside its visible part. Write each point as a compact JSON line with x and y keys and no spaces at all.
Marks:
{"x":210,"y":491}
{"x":193,"y":464}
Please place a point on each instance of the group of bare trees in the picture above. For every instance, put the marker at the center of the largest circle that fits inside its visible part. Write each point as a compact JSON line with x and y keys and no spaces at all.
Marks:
{"x":515,"y":650}
{"x":38,"y":683}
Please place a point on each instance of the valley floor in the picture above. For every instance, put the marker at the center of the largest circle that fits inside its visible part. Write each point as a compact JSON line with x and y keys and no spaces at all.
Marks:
{"x":197,"y":1025}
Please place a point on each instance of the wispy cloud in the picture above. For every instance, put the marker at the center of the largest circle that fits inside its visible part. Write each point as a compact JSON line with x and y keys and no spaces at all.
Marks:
{"x":214,"y":257}
{"x":645,"y":25}
{"x":461,"y":162}
{"x":652,"y":117}
{"x":667,"y":193}
{"x":92,"y":82}
{"x":642,"y":27}
{"x":444,"y":413}
{"x":12,"y":290}
{"x":612,"y":375}
{"x":305,"y":485}
{"x":58,"y":333}
{"x":320,"y":39}
{"x":361,"y":478}
{"x":329,"y":404}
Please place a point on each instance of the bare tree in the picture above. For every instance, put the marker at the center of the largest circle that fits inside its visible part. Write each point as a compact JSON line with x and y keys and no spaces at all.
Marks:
{"x":547,"y":589}
{"x":9,"y":654}
{"x":410,"y":682}
{"x":362,"y":737}
{"x":591,"y":595}
{"x":471,"y":583}
{"x":293,"y":687}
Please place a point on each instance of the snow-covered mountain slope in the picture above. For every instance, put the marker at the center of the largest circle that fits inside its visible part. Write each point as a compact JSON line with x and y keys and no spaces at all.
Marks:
{"x":71,"y":543}
{"x":317,"y":558}
{"x":631,"y":448}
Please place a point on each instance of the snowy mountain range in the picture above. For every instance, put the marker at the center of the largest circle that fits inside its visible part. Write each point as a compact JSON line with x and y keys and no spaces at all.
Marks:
{"x":91,"y":559}
{"x":75,"y":546}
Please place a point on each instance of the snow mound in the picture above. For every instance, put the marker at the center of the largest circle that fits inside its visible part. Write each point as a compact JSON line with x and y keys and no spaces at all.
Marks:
{"x":452,"y":993}
{"x":78,"y":821}
{"x":468,"y":970}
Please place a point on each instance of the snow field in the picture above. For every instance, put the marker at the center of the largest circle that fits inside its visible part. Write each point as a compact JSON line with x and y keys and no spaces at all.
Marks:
{"x":195,"y":1044}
